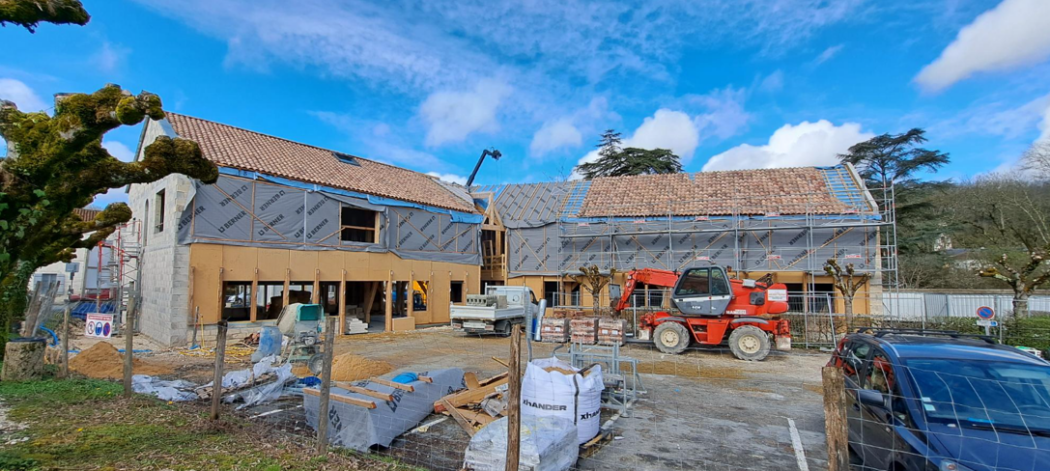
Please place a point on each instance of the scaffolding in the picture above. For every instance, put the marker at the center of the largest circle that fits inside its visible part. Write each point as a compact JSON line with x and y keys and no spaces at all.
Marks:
{"x":117,"y":271}
{"x":786,"y":233}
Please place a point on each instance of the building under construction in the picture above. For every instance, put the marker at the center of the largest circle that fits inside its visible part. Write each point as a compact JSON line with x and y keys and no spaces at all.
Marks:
{"x":782,"y":223}
{"x":386,"y":248}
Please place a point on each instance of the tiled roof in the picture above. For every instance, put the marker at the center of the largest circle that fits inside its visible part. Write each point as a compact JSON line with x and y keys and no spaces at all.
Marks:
{"x":86,"y":214}
{"x":228,"y":146}
{"x":747,"y":192}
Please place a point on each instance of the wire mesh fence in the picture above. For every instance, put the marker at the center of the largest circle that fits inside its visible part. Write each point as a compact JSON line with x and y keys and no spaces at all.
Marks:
{"x":928,"y":412}
{"x":420,"y":399}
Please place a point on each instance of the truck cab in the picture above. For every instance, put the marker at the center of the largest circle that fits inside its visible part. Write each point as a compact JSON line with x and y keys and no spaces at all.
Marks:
{"x":494,"y":312}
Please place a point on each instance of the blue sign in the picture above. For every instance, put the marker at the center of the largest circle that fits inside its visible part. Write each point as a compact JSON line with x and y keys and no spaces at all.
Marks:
{"x":986,"y":313}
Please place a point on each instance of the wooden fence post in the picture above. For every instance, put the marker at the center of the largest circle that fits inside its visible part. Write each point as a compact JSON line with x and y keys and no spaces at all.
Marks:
{"x":220,"y":357}
{"x":514,"y":400}
{"x":326,"y":384}
{"x":835,"y":423}
{"x":129,"y":344}
{"x":65,"y":340}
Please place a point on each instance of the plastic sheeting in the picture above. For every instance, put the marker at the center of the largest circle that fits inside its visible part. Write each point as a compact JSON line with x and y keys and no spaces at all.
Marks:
{"x":766,"y":245}
{"x":359,"y":428}
{"x":178,"y":390}
{"x":267,"y":392}
{"x":547,"y":444}
{"x":240,"y":211}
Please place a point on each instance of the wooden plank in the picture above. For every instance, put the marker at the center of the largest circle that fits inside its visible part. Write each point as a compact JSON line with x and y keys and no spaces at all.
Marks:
{"x":487,"y":381}
{"x":341,"y":299}
{"x":462,"y":421}
{"x":471,"y":379}
{"x":501,"y":362}
{"x":370,"y":299}
{"x":366,"y":392}
{"x":835,"y":423}
{"x":425,"y":379}
{"x":389,"y":308}
{"x":479,"y":417}
{"x":403,"y":387}
{"x":471,"y":396}
{"x":514,"y":401}
{"x":344,"y":399}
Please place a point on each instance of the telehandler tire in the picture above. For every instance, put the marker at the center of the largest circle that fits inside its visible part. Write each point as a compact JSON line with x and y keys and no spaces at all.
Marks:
{"x":671,"y":337}
{"x":749,"y":343}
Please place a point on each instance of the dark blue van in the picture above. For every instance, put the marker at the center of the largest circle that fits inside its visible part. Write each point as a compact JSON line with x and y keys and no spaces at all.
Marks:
{"x":942,"y":401}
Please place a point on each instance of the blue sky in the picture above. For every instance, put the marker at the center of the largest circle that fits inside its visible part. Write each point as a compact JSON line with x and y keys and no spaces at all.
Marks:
{"x":429,"y":84}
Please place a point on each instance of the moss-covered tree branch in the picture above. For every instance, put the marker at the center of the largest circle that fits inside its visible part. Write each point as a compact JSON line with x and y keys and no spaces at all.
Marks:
{"x":30,"y":13}
{"x":57,"y":164}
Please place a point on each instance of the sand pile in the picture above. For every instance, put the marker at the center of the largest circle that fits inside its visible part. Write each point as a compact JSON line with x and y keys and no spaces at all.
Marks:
{"x":103,"y":361}
{"x":349,"y":367}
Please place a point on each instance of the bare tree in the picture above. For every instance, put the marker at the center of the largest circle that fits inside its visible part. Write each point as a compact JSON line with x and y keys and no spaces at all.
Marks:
{"x":594,"y":281}
{"x":848,"y":282}
{"x":1037,"y":159}
{"x":1010,"y":217}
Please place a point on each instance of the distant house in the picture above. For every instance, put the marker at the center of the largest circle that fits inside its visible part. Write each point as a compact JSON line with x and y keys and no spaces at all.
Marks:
{"x":79,"y":278}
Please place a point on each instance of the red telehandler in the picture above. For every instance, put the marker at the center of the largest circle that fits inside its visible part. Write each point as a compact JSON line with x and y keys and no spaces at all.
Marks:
{"x":710,"y":304}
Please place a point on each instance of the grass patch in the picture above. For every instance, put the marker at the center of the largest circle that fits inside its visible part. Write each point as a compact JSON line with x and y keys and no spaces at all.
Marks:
{"x":87,"y":424}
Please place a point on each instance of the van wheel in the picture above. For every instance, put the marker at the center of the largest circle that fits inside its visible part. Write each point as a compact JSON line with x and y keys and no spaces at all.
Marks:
{"x":749,"y":343}
{"x":671,"y":337}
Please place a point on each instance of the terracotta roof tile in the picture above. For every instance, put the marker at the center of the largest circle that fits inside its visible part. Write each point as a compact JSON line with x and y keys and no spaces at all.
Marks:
{"x":747,"y":192}
{"x":233,"y":147}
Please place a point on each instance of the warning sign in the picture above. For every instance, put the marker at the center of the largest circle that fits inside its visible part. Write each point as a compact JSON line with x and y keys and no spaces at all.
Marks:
{"x":99,"y":325}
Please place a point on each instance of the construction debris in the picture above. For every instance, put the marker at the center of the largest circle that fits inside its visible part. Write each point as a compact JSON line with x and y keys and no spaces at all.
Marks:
{"x":263,"y":382}
{"x":468,"y":407}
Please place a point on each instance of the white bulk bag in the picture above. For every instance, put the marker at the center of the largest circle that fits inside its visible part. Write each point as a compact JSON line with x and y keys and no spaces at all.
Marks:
{"x":555,"y":394}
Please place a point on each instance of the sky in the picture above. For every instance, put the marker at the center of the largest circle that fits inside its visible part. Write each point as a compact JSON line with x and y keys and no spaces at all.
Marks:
{"x":428,"y":85}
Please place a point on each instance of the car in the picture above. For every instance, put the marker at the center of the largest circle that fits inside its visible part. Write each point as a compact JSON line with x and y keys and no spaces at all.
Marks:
{"x":943,"y":401}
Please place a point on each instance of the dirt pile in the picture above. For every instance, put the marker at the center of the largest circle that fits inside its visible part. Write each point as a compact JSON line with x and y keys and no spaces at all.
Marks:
{"x":103,"y":361}
{"x":350,"y":367}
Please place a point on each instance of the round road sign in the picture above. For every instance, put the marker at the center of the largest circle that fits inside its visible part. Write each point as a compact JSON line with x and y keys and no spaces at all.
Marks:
{"x":986,"y":313}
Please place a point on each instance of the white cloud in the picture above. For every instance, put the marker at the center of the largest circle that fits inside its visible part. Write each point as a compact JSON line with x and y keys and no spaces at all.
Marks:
{"x":1013,"y":34}
{"x":452,"y":116}
{"x":772,"y":83}
{"x":568,"y":131}
{"x":109,"y":57}
{"x":20,"y":93}
{"x":725,"y":115}
{"x":995,"y":118}
{"x":802,"y":145}
{"x":828,"y":54}
{"x":555,"y":135}
{"x":1045,"y":125}
{"x":665,"y":129}
{"x":444,"y":43}
{"x":122,"y":152}
{"x":449,"y":177}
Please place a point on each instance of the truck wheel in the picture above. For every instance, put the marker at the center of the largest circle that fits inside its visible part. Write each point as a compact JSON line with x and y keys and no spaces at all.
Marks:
{"x":671,"y":337}
{"x":749,"y":343}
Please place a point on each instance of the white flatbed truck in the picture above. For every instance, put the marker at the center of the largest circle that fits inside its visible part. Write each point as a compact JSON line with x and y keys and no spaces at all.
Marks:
{"x":496,"y":311}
